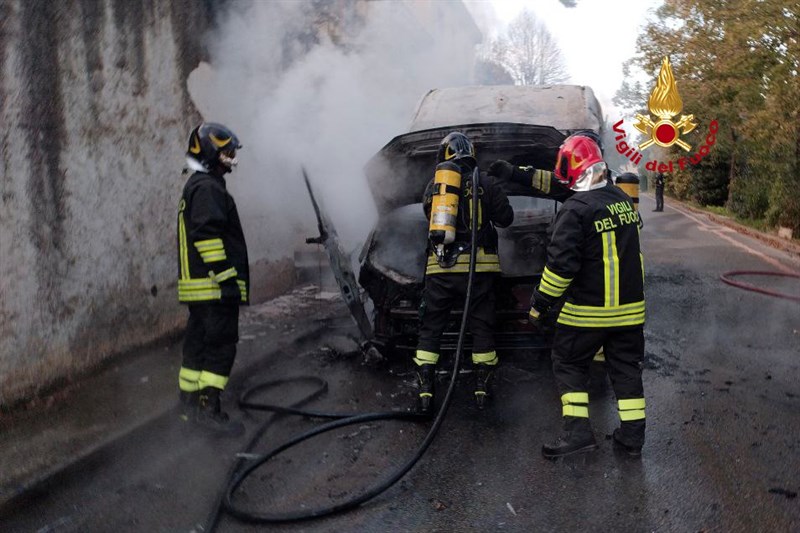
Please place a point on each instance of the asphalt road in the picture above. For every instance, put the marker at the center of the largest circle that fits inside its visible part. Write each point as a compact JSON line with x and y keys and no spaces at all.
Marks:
{"x":722,"y":382}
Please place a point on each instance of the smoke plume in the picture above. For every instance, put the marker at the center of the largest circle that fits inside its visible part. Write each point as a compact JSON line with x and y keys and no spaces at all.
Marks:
{"x":324,"y":85}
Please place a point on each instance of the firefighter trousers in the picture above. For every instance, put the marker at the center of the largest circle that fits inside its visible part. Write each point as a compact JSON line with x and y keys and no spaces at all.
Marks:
{"x":442,"y":293}
{"x":573,"y":351}
{"x":209,"y":348}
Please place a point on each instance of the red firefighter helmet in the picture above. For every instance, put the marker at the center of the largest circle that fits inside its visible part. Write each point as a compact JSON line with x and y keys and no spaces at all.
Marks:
{"x":577,"y":154}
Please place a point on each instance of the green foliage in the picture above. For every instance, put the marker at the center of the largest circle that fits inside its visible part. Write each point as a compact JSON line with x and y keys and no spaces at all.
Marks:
{"x":679,"y":185}
{"x":717,"y":210}
{"x":709,"y":185}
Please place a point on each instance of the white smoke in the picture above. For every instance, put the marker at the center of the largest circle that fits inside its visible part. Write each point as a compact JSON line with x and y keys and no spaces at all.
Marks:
{"x":326,"y":90}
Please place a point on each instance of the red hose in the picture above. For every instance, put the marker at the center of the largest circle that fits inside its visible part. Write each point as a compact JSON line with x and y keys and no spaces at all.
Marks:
{"x":746,"y":286}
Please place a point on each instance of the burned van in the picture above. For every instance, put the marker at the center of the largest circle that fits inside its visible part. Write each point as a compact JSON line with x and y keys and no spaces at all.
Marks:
{"x":523,"y":125}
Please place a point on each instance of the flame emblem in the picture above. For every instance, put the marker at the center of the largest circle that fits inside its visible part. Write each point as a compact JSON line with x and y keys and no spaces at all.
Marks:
{"x":665,"y":103}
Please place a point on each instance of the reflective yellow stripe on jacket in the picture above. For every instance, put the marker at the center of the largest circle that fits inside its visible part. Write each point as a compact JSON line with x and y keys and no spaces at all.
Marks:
{"x":611,"y":269}
{"x":552,"y":284}
{"x":587,"y":316}
{"x":483,"y":263}
{"x":202,"y":289}
{"x":211,"y":250}
{"x":184,"y":252}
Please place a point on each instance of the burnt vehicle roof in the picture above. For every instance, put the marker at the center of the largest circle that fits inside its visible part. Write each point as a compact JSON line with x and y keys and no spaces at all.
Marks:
{"x":563,"y":107}
{"x":522,"y":124}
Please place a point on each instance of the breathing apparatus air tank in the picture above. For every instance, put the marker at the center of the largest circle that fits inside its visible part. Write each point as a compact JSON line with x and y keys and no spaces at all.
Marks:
{"x":629,"y":183}
{"x":444,"y":205}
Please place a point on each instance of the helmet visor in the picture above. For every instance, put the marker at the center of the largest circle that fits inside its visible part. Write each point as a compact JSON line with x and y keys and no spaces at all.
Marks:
{"x":228,"y":158}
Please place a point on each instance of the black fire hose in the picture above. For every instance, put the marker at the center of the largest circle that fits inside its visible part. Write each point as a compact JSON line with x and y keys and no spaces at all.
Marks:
{"x":242,"y":469}
{"x":727,"y":278}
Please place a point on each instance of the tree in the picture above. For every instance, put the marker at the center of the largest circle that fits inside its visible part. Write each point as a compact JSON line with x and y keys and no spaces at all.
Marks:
{"x":737,"y":61}
{"x":631,"y":96}
{"x":528,"y":52}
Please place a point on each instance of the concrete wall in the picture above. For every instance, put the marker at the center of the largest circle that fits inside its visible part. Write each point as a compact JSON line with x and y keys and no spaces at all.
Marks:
{"x":95,"y":114}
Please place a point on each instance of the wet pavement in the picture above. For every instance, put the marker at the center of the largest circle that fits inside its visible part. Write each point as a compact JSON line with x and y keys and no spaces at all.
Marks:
{"x":722,"y":382}
{"x":43,"y":437}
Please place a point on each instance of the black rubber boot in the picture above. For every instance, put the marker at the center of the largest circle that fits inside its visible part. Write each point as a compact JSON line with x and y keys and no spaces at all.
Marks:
{"x":187,"y":405}
{"x":484,"y":382}
{"x":629,"y":438}
{"x":577,"y":438}
{"x":211,"y":417}
{"x":426,"y":380}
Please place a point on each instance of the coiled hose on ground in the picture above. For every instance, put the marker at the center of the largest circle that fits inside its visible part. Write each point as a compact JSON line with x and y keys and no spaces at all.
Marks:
{"x":243,"y":467}
{"x":727,"y":277}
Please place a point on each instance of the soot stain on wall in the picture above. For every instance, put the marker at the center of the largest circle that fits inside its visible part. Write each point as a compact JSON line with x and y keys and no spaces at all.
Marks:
{"x":43,"y":121}
{"x":93,"y":14}
{"x":190,"y":20}
{"x":69,"y":320}
{"x":5,"y":18}
{"x":129,"y":23}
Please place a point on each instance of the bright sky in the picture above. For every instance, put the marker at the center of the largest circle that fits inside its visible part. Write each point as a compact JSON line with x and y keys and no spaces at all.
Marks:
{"x":595,"y":37}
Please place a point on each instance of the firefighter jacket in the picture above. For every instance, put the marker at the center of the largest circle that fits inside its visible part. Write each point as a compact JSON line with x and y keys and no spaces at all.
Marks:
{"x":543,"y":181}
{"x":594,"y":260}
{"x":494,"y":209}
{"x":212,"y":254}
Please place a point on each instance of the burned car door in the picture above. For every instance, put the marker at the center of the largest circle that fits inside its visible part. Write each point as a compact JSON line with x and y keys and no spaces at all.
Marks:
{"x":340,"y":264}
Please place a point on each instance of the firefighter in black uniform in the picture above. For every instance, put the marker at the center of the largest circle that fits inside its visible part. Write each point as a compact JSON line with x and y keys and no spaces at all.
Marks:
{"x":594,"y":264}
{"x":659,"y":183}
{"x":447,"y":272}
{"x":546,"y":183}
{"x":213,"y":278}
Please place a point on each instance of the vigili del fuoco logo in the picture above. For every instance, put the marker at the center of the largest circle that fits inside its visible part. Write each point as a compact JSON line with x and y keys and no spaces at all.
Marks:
{"x":665,"y":103}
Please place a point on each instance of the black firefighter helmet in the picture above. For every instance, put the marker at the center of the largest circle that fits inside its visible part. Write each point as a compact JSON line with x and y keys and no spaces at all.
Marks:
{"x":212,"y":147}
{"x":458,"y":148}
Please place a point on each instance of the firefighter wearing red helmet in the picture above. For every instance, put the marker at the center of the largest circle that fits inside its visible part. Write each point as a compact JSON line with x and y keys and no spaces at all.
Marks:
{"x":595,"y":266}
{"x":213,"y":278}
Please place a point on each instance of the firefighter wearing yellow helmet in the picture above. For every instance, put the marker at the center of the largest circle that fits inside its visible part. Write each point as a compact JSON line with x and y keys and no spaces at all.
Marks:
{"x":213,"y":278}
{"x":448,"y":202}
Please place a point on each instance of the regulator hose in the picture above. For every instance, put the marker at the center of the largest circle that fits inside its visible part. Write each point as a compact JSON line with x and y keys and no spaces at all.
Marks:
{"x":727,"y":278}
{"x":244,"y":466}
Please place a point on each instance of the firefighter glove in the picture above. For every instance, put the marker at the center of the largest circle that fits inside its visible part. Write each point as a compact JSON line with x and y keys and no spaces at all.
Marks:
{"x":503,"y":170}
{"x":540,"y":306}
{"x":229,"y":291}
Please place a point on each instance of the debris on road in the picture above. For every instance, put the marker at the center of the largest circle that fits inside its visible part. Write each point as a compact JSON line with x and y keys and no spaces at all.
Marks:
{"x":790,"y":494}
{"x":438,"y":504}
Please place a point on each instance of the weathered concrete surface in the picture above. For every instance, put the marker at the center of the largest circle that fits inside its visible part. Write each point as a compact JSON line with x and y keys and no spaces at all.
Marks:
{"x":95,"y":114}
{"x":134,"y":390}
